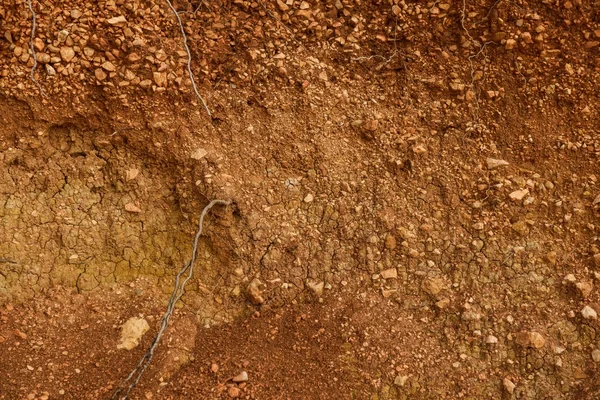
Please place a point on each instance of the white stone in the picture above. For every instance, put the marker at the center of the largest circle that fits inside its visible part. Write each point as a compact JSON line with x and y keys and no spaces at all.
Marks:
{"x":131,"y":333}
{"x":589,"y":313}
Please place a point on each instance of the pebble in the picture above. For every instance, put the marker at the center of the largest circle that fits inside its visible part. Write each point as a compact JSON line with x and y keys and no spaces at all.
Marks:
{"x":493,"y":163}
{"x":100,"y":74}
{"x":76,"y":14}
{"x":518,"y":195}
{"x":131,"y":332}
{"x":132,"y":208}
{"x":596,"y":355}
{"x":110,"y":67}
{"x":433,"y":286}
{"x":491,"y":339}
{"x":199,"y":154}
{"x":509,"y":385}
{"x":400,"y":380}
{"x":233,"y":392}
{"x":536,"y":340}
{"x":120,"y":20}
{"x":510,"y":44}
{"x":241,"y":377}
{"x":589,"y":313}
{"x":67,"y":53}
{"x":132,"y":173}
{"x":309,"y":197}
{"x":316,"y":287}
{"x":391,"y":273}
{"x":254,"y":293}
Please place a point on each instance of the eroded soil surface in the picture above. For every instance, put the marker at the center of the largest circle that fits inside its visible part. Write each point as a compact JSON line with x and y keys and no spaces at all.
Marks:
{"x":414,"y":186}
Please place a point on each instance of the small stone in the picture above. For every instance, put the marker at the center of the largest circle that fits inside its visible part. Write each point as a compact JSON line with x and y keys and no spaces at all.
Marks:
{"x":510,"y":44}
{"x":282,"y":6}
{"x":132,"y":208}
{"x":88,"y":51}
{"x":372,"y":125}
{"x":39,"y":44}
{"x":233,"y":392}
{"x":551,"y":257}
{"x":308,"y":198}
{"x":110,"y":67}
{"x":160,"y":78}
{"x":443,"y":303}
{"x":391,"y":273}
{"x":596,"y":355}
{"x":491,"y":339}
{"x":43,"y":58}
{"x":589,"y":313}
{"x":67,"y":53}
{"x":146,"y":84}
{"x":390,"y":242}
{"x":597,"y":260}
{"x":493,"y":163}
{"x":596,"y":200}
{"x":76,"y":14}
{"x":131,"y":332}
{"x":132,"y":173}
{"x":199,"y":154}
{"x":509,"y":385}
{"x":133,"y":57}
{"x":536,"y":340}
{"x":62,"y":35}
{"x":21,"y":334}
{"x":120,"y":20}
{"x":585,"y":288}
{"x":214,"y":368}
{"x":401,"y":380}
{"x":100,"y":74}
{"x":254,"y":292}
{"x":518,"y":195}
{"x":241,"y":377}
{"x":50,"y":70}
{"x":433,"y":286}
{"x":316,"y":287}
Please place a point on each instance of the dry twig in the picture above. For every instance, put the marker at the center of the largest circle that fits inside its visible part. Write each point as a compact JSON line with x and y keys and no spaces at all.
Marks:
{"x":133,"y":378}
{"x":189,"y":54}
{"x":32,"y":47}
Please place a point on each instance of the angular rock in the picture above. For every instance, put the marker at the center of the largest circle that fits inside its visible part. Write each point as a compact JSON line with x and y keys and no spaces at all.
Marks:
{"x":509,"y":385}
{"x":433,"y":286}
{"x":391,"y":273}
{"x":518,"y":195}
{"x":199,"y":154}
{"x":131,"y":332}
{"x":254,"y":292}
{"x":493,"y":163}
{"x":67,"y":53}
{"x":589,"y":313}
{"x":120,"y":20}
{"x":241,"y":377}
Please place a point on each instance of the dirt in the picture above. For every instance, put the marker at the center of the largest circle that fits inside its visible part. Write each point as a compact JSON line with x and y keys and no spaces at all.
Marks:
{"x":414,"y":198}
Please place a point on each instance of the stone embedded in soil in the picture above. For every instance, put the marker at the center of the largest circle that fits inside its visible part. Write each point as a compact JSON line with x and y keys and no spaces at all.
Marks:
{"x":132,"y":173}
{"x":234,"y":392}
{"x":433,"y":286}
{"x":493,"y":163}
{"x":309,"y":198}
{"x":596,"y":355}
{"x":584,"y":288}
{"x":518,"y":195}
{"x":241,"y":377}
{"x":67,"y":53}
{"x":491,"y":339}
{"x":120,"y":20}
{"x":401,"y":380}
{"x":131,"y":333}
{"x":254,"y":292}
{"x":316,"y":287}
{"x":589,"y":313}
{"x":530,"y":339}
{"x":390,"y":273}
{"x":509,"y":385}
{"x":132,"y":208}
{"x":199,"y":154}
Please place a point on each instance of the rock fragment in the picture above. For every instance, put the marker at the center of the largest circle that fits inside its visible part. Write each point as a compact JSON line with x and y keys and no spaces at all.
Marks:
{"x":131,"y":333}
{"x":589,"y":313}
{"x":493,"y":163}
